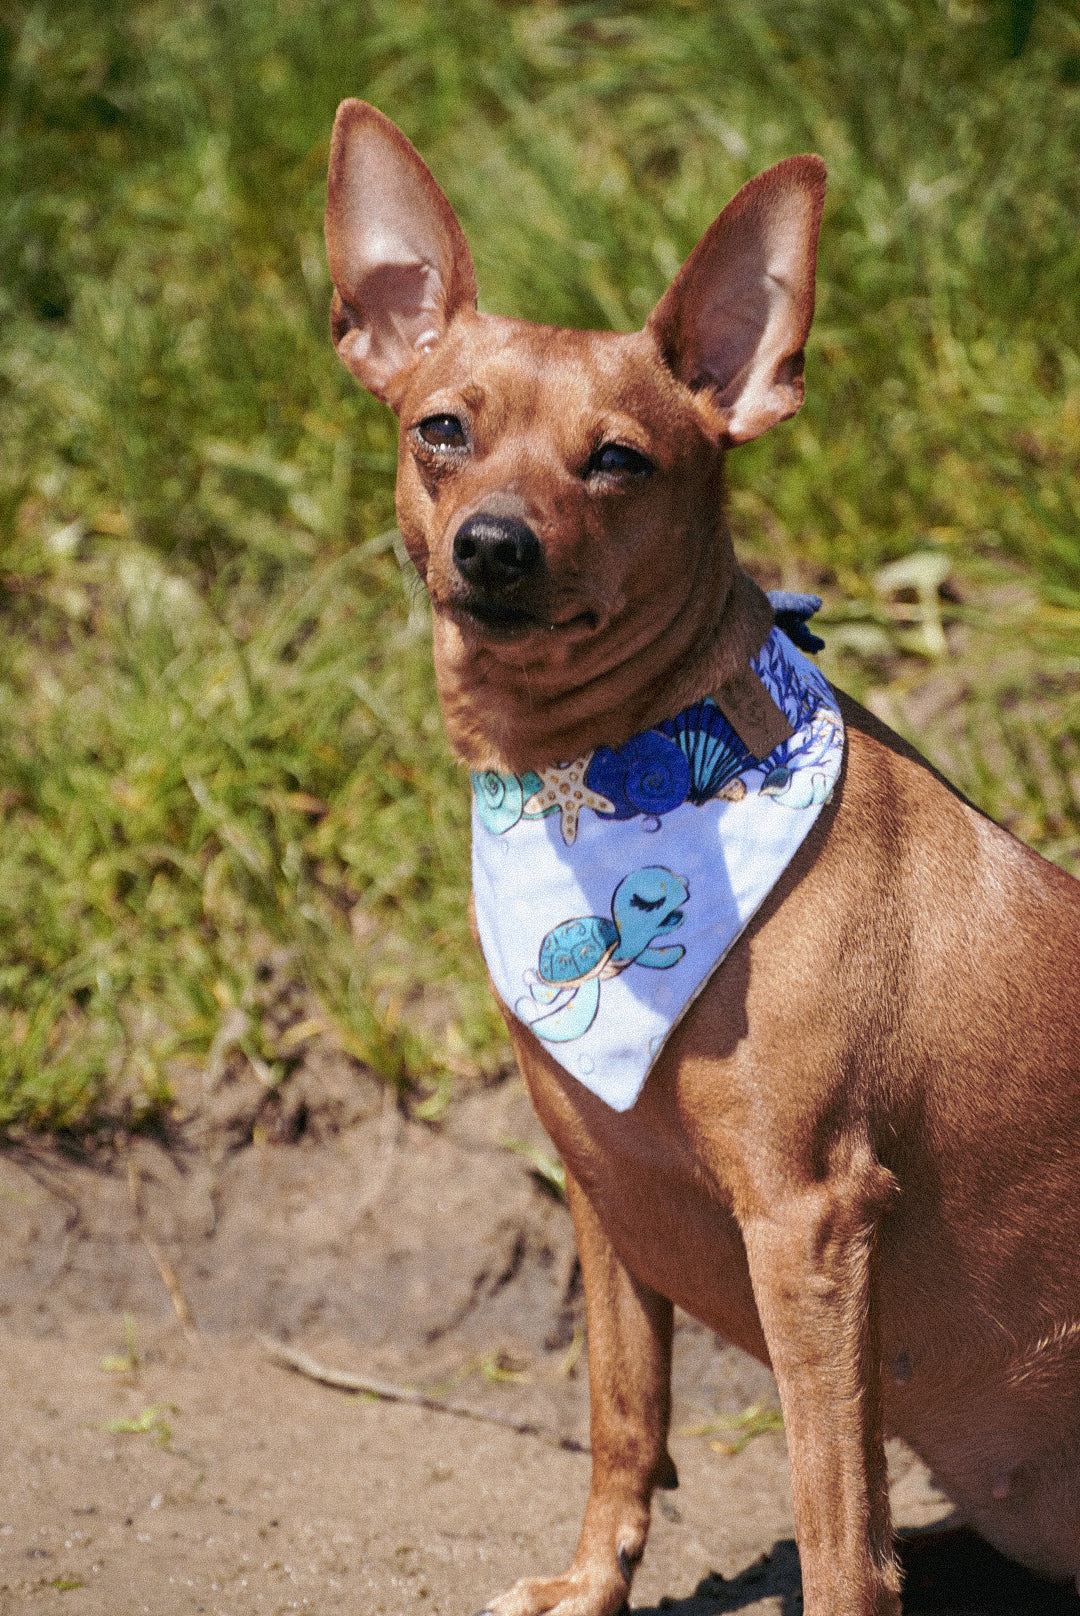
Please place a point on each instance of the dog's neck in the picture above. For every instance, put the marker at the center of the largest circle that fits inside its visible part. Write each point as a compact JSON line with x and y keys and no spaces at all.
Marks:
{"x":512,"y":716}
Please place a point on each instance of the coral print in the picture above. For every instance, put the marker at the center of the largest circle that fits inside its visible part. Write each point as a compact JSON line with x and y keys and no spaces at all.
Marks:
{"x":580,"y":954}
{"x":801,"y":777}
{"x":800,"y":772}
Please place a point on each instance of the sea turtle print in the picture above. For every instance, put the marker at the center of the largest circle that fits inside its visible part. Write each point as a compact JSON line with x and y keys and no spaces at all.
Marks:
{"x":579,"y":954}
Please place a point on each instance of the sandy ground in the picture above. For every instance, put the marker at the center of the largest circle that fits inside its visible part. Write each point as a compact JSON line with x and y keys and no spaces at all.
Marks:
{"x":200,"y":1476}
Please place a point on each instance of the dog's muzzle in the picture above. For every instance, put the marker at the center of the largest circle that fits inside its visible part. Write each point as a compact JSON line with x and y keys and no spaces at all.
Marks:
{"x":495,"y":553}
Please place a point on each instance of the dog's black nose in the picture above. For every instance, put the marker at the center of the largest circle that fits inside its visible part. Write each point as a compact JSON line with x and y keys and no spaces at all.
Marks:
{"x":492,"y":552}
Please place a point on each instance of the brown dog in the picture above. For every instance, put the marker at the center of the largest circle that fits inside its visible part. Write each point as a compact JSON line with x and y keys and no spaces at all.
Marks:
{"x":858,"y":1155}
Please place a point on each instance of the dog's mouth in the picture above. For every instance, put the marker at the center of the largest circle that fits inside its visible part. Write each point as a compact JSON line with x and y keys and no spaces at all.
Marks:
{"x":499,"y":620}
{"x":496,"y":619}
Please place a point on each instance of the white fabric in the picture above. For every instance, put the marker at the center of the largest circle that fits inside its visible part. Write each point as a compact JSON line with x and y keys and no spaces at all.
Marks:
{"x":598,"y":930}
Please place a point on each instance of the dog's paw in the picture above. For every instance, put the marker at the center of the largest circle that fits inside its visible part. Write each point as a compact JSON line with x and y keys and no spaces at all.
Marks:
{"x":577,"y":1593}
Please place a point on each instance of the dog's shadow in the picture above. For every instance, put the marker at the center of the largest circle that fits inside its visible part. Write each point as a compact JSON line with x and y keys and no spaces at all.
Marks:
{"x":948,"y":1572}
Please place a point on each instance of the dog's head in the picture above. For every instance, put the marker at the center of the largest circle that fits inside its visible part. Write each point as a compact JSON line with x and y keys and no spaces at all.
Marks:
{"x":560,"y":492}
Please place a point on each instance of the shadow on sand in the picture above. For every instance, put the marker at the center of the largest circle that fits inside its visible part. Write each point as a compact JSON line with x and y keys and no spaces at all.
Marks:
{"x":946,"y":1573}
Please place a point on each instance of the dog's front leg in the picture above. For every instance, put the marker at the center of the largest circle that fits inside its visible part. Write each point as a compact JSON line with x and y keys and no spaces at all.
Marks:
{"x":812,"y":1261}
{"x":630,"y":1329}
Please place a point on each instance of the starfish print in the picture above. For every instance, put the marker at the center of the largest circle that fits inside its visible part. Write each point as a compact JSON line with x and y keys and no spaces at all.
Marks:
{"x":562,"y":786}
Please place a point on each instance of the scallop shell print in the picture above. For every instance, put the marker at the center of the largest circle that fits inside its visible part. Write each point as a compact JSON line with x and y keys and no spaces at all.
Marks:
{"x":711,"y":747}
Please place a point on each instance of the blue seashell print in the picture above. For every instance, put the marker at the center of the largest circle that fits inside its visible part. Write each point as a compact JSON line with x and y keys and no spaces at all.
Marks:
{"x":711,"y":747}
{"x":776,"y":781}
{"x":499,"y":800}
{"x":649,"y":775}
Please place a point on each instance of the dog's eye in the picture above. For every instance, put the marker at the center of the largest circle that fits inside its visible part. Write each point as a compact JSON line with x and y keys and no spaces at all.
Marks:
{"x":617,"y":460}
{"x":441,"y":432}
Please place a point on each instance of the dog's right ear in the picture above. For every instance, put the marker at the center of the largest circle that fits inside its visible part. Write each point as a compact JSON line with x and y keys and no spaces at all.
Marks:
{"x":398,"y":258}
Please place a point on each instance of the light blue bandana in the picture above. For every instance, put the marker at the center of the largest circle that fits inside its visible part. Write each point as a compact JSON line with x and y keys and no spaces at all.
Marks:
{"x":610,"y":888}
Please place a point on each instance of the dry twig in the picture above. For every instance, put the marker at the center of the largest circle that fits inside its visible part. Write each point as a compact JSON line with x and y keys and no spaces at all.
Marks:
{"x":158,"y":1257}
{"x":303,"y":1364}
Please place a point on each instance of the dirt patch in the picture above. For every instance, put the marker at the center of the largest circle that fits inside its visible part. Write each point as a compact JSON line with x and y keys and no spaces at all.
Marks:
{"x":149,"y":1468}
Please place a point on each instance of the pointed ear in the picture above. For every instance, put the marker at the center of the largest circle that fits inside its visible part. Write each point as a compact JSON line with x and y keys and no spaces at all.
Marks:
{"x":398,"y":259}
{"x":734,"y":320}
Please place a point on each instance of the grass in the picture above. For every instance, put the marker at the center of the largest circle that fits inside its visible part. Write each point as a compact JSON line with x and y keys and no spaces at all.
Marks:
{"x":151,"y":1422}
{"x":218,"y":732}
{"x":756,"y":1420}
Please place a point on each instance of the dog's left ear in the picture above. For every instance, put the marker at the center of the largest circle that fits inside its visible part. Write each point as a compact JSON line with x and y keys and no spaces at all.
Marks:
{"x":733,"y":322}
{"x":398,"y":257}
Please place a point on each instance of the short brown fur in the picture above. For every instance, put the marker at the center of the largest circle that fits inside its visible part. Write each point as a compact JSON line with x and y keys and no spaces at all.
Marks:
{"x":857,"y":1157}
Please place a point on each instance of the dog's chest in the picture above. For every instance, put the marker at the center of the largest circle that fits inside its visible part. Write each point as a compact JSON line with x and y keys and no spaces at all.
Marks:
{"x":658,"y":1184}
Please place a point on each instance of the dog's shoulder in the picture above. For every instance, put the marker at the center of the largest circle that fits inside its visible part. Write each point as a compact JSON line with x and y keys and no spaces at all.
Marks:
{"x":894,"y":798}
